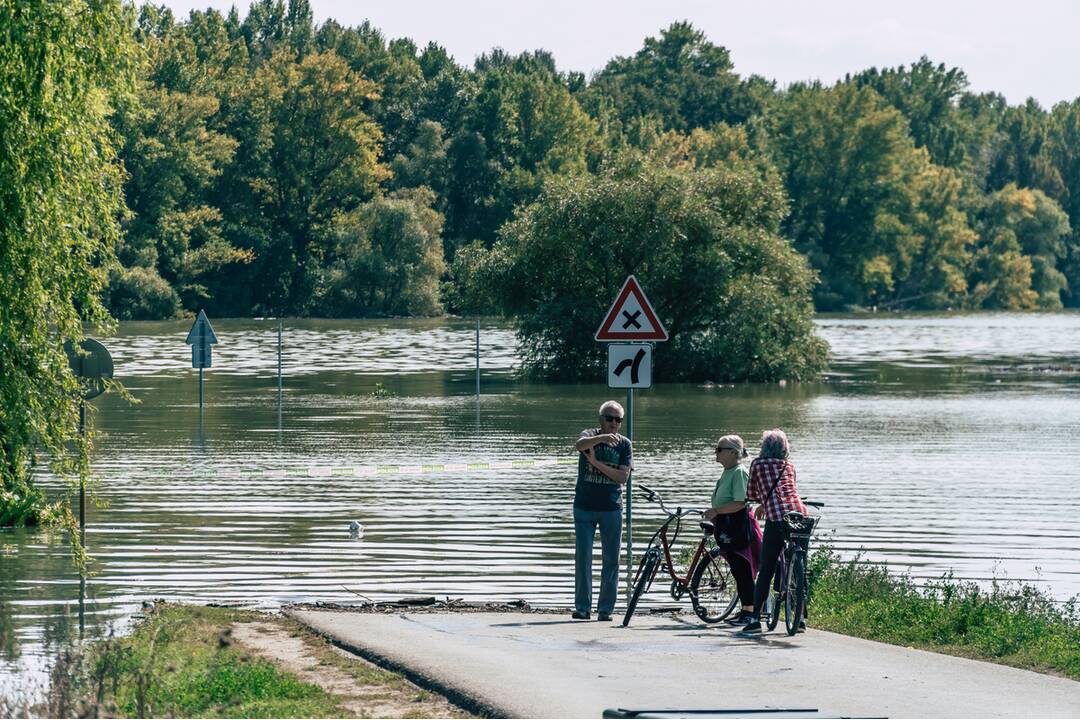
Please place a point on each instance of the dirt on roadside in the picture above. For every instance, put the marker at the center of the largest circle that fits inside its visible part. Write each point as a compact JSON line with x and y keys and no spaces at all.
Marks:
{"x":427,"y":604}
{"x":363,"y":689}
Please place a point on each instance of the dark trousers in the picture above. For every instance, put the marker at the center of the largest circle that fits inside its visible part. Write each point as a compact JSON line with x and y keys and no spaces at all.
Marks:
{"x":772,"y":542}
{"x":744,"y":580}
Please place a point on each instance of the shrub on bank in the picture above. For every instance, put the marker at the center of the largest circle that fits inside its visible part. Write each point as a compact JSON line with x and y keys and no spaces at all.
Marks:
{"x":1011,"y":623}
{"x":705,"y":246}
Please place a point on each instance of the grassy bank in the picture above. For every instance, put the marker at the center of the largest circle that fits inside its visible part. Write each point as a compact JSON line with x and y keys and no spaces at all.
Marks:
{"x":1011,"y":623}
{"x":193,"y":661}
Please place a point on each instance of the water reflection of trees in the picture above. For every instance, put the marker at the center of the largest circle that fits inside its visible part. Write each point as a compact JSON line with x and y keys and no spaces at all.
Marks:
{"x":42,"y":601}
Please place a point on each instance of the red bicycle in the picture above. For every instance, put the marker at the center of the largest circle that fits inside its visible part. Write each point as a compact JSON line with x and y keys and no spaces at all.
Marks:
{"x":708,"y":580}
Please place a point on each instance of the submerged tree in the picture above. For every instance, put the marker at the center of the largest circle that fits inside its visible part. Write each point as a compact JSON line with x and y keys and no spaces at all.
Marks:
{"x":388,"y":257}
{"x":705,"y":244}
{"x":60,"y":201}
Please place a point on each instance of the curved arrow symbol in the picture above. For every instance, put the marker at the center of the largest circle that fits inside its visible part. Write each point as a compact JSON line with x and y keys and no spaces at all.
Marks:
{"x":632,"y":364}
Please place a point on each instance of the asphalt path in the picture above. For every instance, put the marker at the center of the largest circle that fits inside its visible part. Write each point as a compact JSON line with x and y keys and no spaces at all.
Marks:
{"x":541,"y":665}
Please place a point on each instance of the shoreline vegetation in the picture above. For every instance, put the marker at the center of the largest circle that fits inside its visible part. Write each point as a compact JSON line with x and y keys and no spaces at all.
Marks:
{"x":190,"y":661}
{"x":196,"y":661}
{"x":1011,"y":623}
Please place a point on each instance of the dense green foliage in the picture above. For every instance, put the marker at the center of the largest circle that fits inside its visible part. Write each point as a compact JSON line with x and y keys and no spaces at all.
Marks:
{"x":260,"y":150}
{"x":60,"y":203}
{"x":1011,"y":623}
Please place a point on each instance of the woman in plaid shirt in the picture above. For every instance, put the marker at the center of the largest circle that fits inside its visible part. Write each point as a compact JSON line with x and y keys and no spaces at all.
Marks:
{"x":772,"y":484}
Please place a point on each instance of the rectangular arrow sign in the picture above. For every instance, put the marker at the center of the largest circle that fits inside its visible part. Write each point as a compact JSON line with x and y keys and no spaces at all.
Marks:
{"x":629,"y":366}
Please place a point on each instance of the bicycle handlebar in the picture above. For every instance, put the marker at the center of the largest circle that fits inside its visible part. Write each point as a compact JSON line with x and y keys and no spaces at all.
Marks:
{"x":653,"y":496}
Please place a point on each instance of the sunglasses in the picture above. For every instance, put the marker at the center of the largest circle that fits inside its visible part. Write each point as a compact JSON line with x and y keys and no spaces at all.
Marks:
{"x":613,"y":418}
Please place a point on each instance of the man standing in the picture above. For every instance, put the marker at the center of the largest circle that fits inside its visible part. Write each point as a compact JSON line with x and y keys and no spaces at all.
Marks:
{"x":603,"y":468}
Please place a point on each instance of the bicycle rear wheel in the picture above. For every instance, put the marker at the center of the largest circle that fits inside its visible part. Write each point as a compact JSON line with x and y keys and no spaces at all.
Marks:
{"x":644,"y":578}
{"x":796,"y":594}
{"x":712,"y":589}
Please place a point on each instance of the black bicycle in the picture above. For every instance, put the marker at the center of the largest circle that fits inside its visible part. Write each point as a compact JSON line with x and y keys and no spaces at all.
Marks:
{"x":708,"y":580}
{"x":789,"y":583}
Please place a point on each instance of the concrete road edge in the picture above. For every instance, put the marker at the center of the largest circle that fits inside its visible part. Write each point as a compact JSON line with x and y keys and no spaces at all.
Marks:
{"x":456,"y":695}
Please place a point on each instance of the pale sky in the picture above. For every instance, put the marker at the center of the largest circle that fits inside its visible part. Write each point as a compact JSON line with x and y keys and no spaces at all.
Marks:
{"x":1019,"y":49}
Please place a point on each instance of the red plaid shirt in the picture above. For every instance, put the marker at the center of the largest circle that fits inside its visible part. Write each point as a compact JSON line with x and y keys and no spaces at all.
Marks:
{"x":763,"y":474}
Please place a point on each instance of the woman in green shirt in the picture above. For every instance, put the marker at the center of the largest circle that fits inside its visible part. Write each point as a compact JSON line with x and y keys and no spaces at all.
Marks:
{"x":729,"y":496}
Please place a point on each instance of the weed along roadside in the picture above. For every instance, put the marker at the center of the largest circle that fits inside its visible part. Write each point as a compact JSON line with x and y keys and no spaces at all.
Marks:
{"x":198,"y":661}
{"x":1011,"y":623}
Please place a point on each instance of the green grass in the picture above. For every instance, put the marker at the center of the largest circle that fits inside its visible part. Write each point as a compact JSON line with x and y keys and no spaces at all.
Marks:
{"x":181,"y":662}
{"x":1009,"y":623}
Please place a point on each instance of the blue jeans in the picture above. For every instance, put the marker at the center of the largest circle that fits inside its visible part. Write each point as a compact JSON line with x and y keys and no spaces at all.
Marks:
{"x":585,"y":524}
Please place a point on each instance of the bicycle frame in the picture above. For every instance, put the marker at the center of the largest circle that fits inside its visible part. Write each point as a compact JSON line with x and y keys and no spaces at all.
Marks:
{"x":669,"y":563}
{"x":661,"y":535}
{"x":706,"y":585}
{"x":796,"y":543}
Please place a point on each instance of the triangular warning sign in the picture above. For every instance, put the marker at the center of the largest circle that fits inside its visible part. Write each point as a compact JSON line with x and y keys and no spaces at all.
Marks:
{"x":631,"y":317}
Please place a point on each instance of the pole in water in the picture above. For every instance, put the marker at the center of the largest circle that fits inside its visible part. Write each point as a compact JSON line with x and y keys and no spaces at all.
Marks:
{"x":82,"y":478}
{"x":629,"y":427}
{"x":478,"y":356}
{"x":82,"y":606}
{"x":200,"y":394}
{"x":279,"y":324}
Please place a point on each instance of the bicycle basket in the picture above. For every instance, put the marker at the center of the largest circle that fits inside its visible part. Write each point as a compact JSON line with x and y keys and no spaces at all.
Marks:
{"x":801,"y":528}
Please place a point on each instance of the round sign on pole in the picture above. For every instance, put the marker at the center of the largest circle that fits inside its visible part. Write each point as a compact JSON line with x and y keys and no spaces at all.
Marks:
{"x":93,"y":366}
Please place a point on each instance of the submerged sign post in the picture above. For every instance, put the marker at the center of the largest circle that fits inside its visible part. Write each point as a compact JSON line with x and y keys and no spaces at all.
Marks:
{"x":631,"y":325}
{"x":92,"y":364}
{"x":201,"y":337}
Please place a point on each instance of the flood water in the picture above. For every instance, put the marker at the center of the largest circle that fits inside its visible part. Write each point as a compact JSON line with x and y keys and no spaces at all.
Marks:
{"x":939,"y":443}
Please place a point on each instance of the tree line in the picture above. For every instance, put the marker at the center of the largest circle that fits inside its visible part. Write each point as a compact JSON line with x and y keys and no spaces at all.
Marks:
{"x":275,"y":166}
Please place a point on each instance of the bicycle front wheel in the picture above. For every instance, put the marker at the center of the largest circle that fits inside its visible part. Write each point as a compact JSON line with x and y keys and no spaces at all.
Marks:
{"x":778,"y":596}
{"x":644,"y":577}
{"x":712,"y":589}
{"x":796,"y":594}
{"x":775,"y":602}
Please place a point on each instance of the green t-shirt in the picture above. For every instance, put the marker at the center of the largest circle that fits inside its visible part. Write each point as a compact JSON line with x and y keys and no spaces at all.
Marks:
{"x":731,"y":486}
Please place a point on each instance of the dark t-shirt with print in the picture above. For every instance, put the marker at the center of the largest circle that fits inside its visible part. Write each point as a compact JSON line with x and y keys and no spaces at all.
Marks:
{"x":595,"y":491}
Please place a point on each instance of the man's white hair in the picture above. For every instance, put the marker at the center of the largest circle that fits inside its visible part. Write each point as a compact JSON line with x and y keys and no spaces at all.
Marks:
{"x":610,"y":405}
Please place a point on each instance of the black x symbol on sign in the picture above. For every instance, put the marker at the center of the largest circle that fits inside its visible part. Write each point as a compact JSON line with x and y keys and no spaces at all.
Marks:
{"x":631,"y":319}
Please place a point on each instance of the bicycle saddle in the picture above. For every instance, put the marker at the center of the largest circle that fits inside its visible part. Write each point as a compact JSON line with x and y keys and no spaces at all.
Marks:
{"x":707,"y":526}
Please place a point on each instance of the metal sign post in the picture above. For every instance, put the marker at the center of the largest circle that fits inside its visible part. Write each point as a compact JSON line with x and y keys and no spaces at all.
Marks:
{"x":280,"y":322}
{"x":630,"y":367}
{"x":477,"y":356}
{"x":631,"y":319}
{"x":201,"y":338}
{"x":92,"y":365}
{"x":629,"y":498}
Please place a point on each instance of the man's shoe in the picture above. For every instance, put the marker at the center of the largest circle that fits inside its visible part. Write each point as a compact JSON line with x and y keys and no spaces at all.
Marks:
{"x":741,"y":619}
{"x":580,"y":614}
{"x":802,"y":626}
{"x":603,"y":617}
{"x":752,"y":628}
